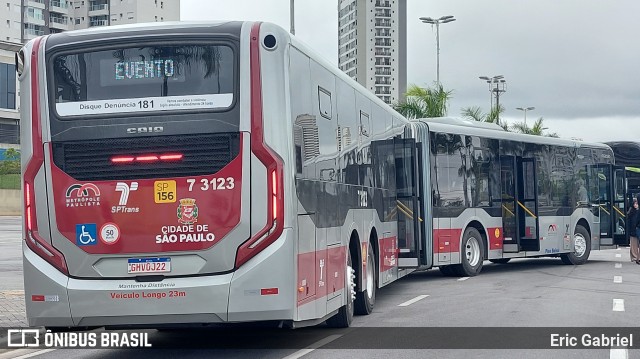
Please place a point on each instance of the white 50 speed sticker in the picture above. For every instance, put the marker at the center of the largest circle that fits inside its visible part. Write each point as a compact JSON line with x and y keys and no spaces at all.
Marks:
{"x":145,"y":104}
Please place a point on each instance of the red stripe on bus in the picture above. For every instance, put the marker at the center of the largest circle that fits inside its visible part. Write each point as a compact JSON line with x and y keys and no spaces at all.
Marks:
{"x":320,"y":273}
{"x":388,"y":253}
{"x":446,"y":240}
{"x":495,"y":237}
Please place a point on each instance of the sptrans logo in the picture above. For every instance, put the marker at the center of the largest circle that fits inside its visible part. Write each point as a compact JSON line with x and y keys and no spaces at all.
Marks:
{"x":125,"y":190}
{"x":33,"y":338}
{"x":82,"y":195}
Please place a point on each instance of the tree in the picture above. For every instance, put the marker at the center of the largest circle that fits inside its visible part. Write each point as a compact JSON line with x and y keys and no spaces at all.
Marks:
{"x":537,"y":129}
{"x":424,"y":102}
{"x":11,"y":154}
{"x":475,"y":113}
{"x":11,"y":164}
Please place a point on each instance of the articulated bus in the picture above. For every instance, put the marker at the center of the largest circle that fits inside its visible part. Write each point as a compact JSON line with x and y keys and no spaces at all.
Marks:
{"x":199,"y":173}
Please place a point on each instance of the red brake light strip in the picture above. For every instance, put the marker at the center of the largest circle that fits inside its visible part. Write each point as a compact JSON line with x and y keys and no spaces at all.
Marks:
{"x":147,"y":158}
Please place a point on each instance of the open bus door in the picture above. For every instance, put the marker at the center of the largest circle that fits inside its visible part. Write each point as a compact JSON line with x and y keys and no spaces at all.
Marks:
{"x":607,"y":186}
{"x":519,"y":204}
{"x":409,"y":202}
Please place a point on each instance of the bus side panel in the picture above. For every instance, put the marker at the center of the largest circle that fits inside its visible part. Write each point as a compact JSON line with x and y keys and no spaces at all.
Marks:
{"x":53,"y":309}
{"x":262,"y":288}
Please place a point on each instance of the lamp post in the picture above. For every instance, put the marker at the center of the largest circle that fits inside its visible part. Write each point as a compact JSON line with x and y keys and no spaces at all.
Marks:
{"x":292,"y":17}
{"x":525,"y":109}
{"x":437,"y":22}
{"x":497,"y":85}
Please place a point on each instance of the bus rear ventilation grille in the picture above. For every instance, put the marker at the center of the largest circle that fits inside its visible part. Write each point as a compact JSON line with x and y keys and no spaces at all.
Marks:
{"x":91,"y":160}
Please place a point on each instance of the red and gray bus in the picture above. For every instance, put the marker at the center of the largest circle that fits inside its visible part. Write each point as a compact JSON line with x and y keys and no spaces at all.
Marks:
{"x":202,"y":173}
{"x":197,"y":173}
{"x":496,"y":195}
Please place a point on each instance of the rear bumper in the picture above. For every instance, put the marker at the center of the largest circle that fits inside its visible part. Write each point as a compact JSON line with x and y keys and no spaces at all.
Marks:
{"x":231,"y":297}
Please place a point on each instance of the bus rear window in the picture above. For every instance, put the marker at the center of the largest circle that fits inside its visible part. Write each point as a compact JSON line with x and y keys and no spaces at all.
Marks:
{"x":144,"y":79}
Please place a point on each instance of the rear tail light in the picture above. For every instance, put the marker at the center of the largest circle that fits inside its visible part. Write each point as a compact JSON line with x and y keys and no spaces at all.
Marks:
{"x":273,"y":163}
{"x":146,"y":158}
{"x":274,"y":195}
{"x":36,"y":243}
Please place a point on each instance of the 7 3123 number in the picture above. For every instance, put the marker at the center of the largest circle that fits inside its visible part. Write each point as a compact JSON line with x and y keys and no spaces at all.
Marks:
{"x":214,"y":184}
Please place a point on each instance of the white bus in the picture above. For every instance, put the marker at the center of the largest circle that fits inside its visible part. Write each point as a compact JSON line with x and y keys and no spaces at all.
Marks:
{"x":183,"y":173}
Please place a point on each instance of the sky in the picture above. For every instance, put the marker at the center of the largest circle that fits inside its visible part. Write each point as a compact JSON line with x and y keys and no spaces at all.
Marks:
{"x":576,"y":61}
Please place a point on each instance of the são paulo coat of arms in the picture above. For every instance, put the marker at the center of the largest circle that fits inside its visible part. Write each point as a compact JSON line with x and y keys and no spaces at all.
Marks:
{"x":187,"y":211}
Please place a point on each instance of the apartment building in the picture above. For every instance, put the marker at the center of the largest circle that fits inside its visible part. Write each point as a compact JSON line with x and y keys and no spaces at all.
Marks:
{"x":372,"y":45}
{"x":9,"y":95}
{"x":119,"y":12}
{"x":40,"y":17}
{"x":24,"y":20}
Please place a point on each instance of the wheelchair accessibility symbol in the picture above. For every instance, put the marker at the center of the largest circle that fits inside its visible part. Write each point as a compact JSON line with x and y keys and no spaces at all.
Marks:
{"x":86,"y":234}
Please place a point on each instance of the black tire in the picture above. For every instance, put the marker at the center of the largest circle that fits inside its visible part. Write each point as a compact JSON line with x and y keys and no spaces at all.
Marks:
{"x":366,"y":299}
{"x":500,"y":260}
{"x":471,"y":254}
{"x":447,"y":271}
{"x":582,"y":247}
{"x":344,"y":317}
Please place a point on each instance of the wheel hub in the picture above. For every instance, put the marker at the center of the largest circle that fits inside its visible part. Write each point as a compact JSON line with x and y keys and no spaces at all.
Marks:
{"x":580,"y":244}
{"x":472,"y":251}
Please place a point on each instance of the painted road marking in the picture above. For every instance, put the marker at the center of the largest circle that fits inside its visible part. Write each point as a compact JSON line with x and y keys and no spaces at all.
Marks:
{"x":463,"y":279}
{"x":312,"y":347}
{"x":29,"y":353}
{"x":618,"y":255}
{"x":618,"y":265}
{"x":617,"y":279}
{"x":618,"y":305}
{"x":409,"y":302}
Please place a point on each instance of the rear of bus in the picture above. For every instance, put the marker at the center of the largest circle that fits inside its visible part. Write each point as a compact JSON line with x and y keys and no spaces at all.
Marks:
{"x":151,"y":194}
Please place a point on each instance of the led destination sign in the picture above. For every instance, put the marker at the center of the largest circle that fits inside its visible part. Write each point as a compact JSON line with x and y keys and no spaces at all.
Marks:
{"x":144,"y":79}
{"x":144,"y":69}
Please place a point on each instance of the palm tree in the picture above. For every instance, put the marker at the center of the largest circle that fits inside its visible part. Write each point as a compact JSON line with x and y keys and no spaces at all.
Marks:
{"x":424,"y":102}
{"x":475,"y":113}
{"x":537,"y":129}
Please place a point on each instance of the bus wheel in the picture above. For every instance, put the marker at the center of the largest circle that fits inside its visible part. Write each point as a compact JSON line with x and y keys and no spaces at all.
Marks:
{"x":366,"y":299}
{"x":344,"y":317}
{"x":500,"y":260}
{"x":472,"y":253}
{"x":582,"y":246}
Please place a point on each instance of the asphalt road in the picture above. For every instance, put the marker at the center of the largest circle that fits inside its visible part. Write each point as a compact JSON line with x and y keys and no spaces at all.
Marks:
{"x":523,"y":293}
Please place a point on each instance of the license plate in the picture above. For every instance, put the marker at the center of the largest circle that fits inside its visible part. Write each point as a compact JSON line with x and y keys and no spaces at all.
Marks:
{"x":149,"y":265}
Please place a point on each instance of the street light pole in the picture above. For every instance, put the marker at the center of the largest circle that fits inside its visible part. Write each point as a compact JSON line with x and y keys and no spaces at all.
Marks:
{"x":292,"y":17}
{"x":437,"y":22}
{"x":497,"y":85}
{"x":525,"y":109}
